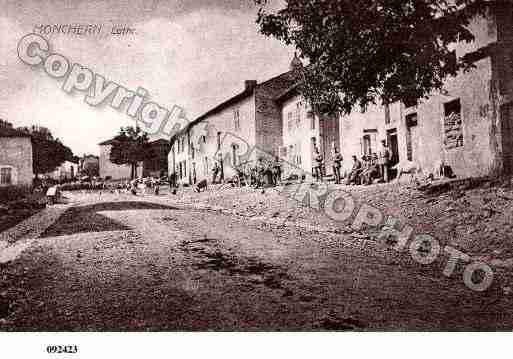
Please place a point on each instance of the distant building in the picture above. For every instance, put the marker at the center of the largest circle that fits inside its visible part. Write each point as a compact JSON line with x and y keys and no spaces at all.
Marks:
{"x":89,"y":165}
{"x":67,"y":171}
{"x":109,"y":170}
{"x":16,"y":157}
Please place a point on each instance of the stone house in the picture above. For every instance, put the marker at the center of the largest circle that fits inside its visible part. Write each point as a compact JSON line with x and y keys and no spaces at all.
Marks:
{"x":468,"y":126}
{"x":16,"y":157}
{"x":243,"y":128}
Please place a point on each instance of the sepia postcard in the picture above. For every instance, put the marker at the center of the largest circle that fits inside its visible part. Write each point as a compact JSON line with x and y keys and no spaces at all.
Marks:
{"x":176,"y":167}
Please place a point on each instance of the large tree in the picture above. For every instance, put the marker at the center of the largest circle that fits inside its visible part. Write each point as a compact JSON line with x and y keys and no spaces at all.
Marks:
{"x":372,"y":51}
{"x":130,"y":147}
{"x":48,"y":152}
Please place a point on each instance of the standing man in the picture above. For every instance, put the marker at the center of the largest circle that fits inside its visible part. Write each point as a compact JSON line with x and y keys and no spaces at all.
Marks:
{"x":277,"y":171}
{"x":337,"y":164}
{"x":221,"y":168}
{"x":215,"y":172}
{"x":260,"y":172}
{"x":383,"y":161}
{"x":317,"y":165}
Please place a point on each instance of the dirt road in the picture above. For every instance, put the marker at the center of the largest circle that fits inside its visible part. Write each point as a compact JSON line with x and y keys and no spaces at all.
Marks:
{"x":131,"y":263}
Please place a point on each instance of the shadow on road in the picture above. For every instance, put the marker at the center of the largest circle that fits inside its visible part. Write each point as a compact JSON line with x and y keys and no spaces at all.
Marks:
{"x":84,"y":219}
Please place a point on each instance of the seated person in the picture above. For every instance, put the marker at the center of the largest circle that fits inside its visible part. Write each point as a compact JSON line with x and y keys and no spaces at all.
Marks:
{"x":354,"y":175}
{"x":371,"y":171}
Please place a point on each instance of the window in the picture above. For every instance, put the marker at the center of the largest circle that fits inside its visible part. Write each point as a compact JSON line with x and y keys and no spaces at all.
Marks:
{"x":6,"y":176}
{"x":218,"y":141}
{"x":289,"y":121}
{"x":367,"y":149}
{"x":236,"y":120}
{"x":453,"y":125}
{"x":312,"y":122}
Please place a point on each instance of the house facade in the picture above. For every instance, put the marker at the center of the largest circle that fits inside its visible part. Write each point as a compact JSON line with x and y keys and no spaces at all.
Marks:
{"x":16,"y":157}
{"x":303,"y":133}
{"x":468,"y":126}
{"x":244,"y":128}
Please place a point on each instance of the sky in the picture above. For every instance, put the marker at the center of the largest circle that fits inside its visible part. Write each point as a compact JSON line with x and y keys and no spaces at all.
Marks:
{"x":194,"y":54}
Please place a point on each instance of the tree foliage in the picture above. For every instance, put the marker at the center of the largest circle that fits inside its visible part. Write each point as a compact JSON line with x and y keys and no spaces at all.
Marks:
{"x":130,"y":147}
{"x":368,"y":51}
{"x":48,"y":152}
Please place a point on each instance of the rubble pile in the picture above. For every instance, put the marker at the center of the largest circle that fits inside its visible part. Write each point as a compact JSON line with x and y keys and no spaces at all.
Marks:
{"x":473,"y":216}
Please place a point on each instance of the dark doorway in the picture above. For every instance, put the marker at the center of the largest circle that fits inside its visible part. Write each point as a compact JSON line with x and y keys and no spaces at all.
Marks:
{"x":393,"y":146}
{"x":330,"y":138}
{"x":507,"y":137}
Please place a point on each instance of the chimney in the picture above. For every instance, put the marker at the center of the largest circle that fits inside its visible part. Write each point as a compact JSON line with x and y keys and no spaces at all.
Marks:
{"x":249,"y":85}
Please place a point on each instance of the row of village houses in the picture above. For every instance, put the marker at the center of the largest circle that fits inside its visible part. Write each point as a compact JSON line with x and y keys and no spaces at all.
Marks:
{"x":468,"y":127}
{"x":17,"y":161}
{"x":17,"y":155}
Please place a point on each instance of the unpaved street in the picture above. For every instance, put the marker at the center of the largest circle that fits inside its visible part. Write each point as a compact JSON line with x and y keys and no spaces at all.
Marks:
{"x":119,"y":262}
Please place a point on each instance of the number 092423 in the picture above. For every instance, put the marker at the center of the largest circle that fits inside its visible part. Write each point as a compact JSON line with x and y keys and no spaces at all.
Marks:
{"x":62,"y":349}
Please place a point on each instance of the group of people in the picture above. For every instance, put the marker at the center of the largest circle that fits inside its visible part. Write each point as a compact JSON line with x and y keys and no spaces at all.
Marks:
{"x":268,"y":171}
{"x":318,"y":165}
{"x":146,"y":185}
{"x":370,"y":167}
{"x":263,"y":171}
